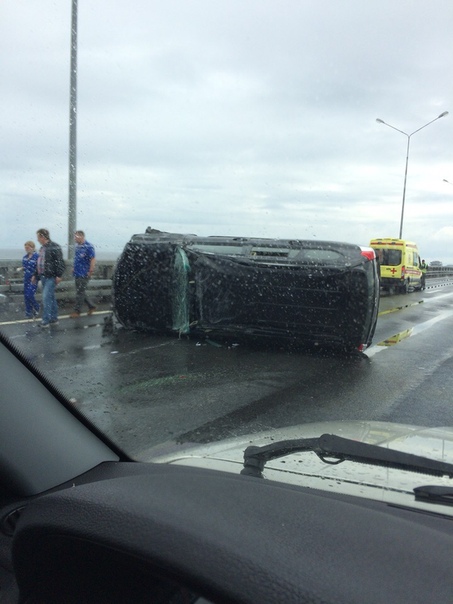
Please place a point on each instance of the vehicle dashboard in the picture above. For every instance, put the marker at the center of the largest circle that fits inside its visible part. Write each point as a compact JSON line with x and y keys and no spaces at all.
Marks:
{"x":136,"y":532}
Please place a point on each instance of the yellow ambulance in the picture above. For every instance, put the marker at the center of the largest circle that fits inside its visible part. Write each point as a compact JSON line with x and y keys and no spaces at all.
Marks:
{"x":399,"y":263}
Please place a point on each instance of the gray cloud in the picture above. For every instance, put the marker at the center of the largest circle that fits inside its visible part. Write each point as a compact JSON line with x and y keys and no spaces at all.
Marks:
{"x":249,"y":117}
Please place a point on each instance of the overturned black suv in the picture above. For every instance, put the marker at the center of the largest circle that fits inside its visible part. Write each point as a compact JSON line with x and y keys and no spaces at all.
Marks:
{"x":310,"y":292}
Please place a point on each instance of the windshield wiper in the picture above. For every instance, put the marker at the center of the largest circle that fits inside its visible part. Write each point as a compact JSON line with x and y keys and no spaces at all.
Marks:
{"x":335,"y":449}
{"x":434,"y":494}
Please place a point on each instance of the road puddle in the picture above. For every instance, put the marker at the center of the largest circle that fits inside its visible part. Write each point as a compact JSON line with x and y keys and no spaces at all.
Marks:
{"x":396,"y":339}
{"x":406,"y":333}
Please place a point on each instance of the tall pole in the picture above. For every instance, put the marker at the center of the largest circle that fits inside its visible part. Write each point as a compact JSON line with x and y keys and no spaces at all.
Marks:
{"x":407,"y":158}
{"x":404,"y":187}
{"x":72,"y":206}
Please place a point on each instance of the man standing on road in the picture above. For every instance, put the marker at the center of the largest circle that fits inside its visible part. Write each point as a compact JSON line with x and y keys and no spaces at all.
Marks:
{"x":84,"y":263}
{"x":50,"y":267}
{"x":423,"y":268}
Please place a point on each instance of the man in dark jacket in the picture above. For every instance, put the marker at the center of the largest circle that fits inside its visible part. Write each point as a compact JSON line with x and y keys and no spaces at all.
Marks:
{"x":49,"y":270}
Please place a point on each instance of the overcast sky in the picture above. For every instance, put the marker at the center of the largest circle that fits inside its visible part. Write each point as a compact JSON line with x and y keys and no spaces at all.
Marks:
{"x":235,"y":117}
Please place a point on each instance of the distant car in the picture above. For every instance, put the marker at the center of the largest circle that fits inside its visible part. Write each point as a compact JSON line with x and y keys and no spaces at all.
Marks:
{"x":311,"y":292}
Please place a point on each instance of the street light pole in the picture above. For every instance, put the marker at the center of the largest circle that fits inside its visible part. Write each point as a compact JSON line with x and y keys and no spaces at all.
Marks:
{"x":72,"y":204}
{"x":407,"y":157}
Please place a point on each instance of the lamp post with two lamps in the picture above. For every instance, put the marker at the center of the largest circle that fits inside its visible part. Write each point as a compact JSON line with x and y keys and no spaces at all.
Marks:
{"x":407,"y":157}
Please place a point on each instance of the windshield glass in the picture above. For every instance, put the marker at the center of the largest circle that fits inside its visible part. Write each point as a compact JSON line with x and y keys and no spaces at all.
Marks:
{"x":189,"y":191}
{"x":388,"y":257}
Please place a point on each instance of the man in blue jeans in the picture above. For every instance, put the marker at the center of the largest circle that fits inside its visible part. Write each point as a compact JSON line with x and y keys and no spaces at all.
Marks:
{"x":49,"y":270}
{"x":84,"y":263}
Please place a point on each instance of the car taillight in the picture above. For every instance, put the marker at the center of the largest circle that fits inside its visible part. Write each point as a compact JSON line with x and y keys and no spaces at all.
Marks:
{"x":403,"y":271}
{"x":369,"y":254}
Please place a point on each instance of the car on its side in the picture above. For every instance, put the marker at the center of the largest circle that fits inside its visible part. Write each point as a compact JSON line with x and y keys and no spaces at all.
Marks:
{"x":319,"y":293}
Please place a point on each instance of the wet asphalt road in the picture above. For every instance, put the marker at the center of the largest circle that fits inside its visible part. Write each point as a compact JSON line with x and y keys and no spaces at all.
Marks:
{"x":150,"y":392}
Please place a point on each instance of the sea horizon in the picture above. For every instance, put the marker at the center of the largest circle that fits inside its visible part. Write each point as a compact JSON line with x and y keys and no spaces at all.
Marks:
{"x":18,"y":253}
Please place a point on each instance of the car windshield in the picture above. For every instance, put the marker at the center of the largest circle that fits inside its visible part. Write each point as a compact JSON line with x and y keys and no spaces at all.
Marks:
{"x":190,"y":191}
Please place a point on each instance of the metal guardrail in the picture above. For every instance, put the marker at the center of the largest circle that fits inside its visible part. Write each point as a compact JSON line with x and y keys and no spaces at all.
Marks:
{"x":12,"y":286}
{"x":65,"y":290}
{"x":8,"y":270}
{"x":442,"y":271}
